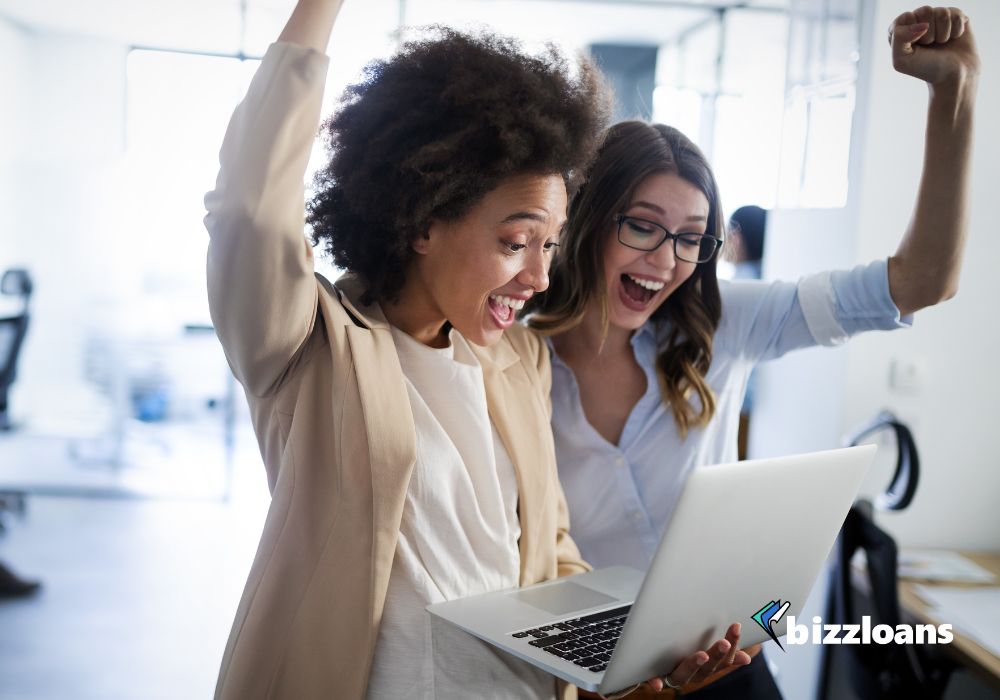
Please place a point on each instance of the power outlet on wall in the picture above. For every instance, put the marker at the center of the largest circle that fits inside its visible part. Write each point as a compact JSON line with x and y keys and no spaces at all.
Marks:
{"x":907,"y":375}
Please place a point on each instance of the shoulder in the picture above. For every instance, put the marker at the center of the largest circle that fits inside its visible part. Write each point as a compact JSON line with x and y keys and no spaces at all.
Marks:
{"x":528,"y":345}
{"x":530,"y":348}
{"x":524,"y":339}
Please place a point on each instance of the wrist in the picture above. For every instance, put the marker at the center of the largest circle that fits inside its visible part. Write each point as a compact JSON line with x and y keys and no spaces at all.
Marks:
{"x":959,"y":88}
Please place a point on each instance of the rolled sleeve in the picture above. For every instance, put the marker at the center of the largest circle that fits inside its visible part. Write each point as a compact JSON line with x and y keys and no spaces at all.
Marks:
{"x":842,"y":303}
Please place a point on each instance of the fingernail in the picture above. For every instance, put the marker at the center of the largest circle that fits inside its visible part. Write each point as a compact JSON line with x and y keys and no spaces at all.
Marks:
{"x":919,"y":27}
{"x":739,"y":628}
{"x":701,"y":661}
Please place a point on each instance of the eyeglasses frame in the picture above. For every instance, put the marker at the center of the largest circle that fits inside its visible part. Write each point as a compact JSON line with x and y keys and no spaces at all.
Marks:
{"x":667,"y":235}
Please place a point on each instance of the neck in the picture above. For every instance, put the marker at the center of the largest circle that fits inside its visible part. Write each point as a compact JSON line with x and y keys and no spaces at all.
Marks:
{"x":415,"y":314}
{"x":588,"y":341}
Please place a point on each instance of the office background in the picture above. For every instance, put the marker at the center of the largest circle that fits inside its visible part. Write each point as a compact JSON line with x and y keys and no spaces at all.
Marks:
{"x":112,"y":116}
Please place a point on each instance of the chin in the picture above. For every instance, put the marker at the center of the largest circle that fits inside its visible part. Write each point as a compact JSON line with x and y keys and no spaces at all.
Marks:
{"x":490,"y":338}
{"x":629,"y":323}
{"x":629,"y":319}
{"x":483,"y":337}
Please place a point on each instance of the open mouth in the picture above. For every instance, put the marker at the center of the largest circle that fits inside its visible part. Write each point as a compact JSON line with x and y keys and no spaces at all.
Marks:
{"x":504,"y":309}
{"x":638,"y":290}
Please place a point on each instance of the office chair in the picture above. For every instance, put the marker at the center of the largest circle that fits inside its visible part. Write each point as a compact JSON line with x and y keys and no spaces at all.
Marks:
{"x":15,"y":282}
{"x":875,"y":671}
{"x":903,"y":486}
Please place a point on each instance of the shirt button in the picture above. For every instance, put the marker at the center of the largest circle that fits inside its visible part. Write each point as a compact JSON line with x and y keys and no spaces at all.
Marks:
{"x":637,"y":515}
{"x":620,"y":462}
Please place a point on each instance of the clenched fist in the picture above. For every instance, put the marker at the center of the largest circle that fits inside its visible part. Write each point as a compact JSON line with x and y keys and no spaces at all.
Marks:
{"x":934,"y":44}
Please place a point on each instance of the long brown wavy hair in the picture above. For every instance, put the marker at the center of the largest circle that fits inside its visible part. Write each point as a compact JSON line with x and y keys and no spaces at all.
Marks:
{"x":632,"y":151}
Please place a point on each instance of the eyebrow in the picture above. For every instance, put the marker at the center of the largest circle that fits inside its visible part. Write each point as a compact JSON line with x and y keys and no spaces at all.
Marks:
{"x":661,"y":211}
{"x":533,"y":216}
{"x":525,"y":215}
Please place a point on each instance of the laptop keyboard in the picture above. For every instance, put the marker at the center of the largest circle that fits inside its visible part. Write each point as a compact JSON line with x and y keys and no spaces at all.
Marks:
{"x":585,"y":641}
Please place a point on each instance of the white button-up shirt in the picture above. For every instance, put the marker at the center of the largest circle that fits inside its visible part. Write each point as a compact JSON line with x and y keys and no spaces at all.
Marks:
{"x":621,"y":496}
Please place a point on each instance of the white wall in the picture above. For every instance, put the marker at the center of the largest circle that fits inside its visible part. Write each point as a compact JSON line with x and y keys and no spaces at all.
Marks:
{"x":14,"y":42}
{"x":952,"y":346}
{"x":955,"y":344}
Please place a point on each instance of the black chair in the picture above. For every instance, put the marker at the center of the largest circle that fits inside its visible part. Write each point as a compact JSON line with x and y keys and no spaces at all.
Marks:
{"x":875,"y":671}
{"x":903,"y":486}
{"x":13,"y":329}
{"x":15,"y":282}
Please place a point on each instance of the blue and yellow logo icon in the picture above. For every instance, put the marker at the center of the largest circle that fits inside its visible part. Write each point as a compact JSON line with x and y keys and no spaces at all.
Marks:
{"x":770,"y":615}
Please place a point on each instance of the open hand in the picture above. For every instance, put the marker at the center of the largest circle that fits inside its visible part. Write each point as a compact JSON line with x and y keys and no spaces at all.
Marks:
{"x":934,"y":44}
{"x":700,"y":665}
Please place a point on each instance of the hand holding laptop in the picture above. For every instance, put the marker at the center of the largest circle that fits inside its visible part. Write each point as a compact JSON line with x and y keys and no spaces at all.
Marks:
{"x":699,"y":666}
{"x":703,"y":664}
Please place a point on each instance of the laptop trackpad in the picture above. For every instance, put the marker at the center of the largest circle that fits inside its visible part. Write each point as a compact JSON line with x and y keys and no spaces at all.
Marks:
{"x":563,"y":597}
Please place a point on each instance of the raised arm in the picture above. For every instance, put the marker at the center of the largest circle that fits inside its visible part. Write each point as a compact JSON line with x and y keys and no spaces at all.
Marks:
{"x":311,"y":23}
{"x":261,"y":286}
{"x":937,"y":46}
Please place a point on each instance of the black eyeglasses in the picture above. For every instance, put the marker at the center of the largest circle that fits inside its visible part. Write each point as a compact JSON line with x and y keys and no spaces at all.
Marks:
{"x":648,"y":236}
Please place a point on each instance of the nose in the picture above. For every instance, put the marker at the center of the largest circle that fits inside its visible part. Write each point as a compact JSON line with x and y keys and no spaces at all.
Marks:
{"x":535,"y":273}
{"x":663,"y":257}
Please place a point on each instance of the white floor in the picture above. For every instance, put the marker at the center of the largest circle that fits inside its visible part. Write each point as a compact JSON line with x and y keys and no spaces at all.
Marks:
{"x":138,"y":595}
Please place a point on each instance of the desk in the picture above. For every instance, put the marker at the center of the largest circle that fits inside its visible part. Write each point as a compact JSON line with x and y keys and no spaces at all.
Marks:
{"x":965,"y":651}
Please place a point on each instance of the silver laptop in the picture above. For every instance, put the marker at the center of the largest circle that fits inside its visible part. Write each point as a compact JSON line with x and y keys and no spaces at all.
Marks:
{"x":745,"y":544}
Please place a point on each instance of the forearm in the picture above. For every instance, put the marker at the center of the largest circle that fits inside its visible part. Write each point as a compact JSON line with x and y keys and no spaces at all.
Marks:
{"x":311,"y":23}
{"x":926,"y":267}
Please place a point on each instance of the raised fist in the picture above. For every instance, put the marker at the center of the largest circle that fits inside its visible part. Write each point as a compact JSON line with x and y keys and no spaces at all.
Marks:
{"x":934,"y":44}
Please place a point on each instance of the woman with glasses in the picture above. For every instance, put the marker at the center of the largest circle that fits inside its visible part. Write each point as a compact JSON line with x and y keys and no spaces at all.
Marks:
{"x":651,"y":353}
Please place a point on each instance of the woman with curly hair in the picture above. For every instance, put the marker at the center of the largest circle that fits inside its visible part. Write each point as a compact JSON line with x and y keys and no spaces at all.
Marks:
{"x":401,"y":413}
{"x":634,"y":296}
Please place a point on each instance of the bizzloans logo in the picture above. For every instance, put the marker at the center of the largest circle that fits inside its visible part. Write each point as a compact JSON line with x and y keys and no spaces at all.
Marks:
{"x":770,"y":614}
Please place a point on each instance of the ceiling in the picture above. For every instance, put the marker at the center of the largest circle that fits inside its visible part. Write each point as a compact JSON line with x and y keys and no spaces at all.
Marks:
{"x":217,"y":26}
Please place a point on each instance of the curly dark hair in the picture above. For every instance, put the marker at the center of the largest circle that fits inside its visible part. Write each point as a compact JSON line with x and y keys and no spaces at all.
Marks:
{"x":428,"y":132}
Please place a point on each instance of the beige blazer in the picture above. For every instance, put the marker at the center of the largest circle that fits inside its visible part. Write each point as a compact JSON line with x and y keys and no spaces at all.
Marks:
{"x":331,"y":413}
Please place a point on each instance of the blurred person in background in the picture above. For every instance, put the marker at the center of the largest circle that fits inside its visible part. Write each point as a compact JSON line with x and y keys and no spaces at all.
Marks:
{"x":745,"y":248}
{"x":745,"y":241}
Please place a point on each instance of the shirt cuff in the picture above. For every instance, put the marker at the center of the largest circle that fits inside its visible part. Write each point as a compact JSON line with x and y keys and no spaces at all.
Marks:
{"x":819,"y":309}
{"x":839,"y":304}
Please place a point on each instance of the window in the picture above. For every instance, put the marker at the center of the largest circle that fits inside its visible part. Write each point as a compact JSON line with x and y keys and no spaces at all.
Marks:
{"x":178,"y":108}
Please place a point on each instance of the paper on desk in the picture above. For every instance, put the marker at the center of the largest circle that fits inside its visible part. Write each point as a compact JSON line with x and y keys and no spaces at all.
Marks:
{"x":975,"y":612}
{"x":941,"y":565}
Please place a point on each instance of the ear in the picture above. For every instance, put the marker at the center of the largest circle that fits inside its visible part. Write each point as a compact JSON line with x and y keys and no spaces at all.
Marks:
{"x":421,"y":245}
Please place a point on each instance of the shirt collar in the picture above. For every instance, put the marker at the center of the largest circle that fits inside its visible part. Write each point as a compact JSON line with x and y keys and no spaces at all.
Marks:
{"x":646,"y":334}
{"x":643,"y":338}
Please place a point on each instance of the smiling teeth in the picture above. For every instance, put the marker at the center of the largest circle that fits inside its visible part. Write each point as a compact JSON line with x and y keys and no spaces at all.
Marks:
{"x":647,"y":284}
{"x":516,"y":304}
